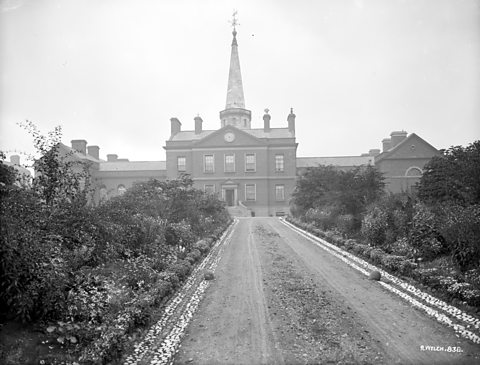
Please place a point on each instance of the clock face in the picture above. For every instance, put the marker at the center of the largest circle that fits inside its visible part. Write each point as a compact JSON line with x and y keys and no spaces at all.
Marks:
{"x":229,"y":137}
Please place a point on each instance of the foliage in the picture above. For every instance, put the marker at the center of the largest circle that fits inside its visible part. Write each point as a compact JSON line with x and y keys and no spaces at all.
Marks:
{"x":388,"y":220}
{"x":331,"y":197}
{"x":7,"y":174}
{"x":96,"y":272}
{"x":374,"y":226}
{"x":59,"y":177}
{"x":453,"y":177}
{"x":460,"y":228}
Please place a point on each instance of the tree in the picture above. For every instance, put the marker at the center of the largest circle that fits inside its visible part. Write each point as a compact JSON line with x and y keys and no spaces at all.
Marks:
{"x":344,"y":192}
{"x":58,"y":177}
{"x":453,"y":177}
{"x":314,"y":188}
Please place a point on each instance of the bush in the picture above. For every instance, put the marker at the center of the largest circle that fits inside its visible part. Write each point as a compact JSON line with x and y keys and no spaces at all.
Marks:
{"x":424,"y":234}
{"x":461,"y":229}
{"x":402,"y":247}
{"x":347,"y":224}
{"x":374,"y":227}
{"x":181,"y":268}
{"x":322,"y":219}
{"x":376,"y":255}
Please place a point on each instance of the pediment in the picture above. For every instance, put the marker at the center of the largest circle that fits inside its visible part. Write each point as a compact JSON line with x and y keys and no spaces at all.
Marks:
{"x":228,"y":136}
{"x":412,"y":147}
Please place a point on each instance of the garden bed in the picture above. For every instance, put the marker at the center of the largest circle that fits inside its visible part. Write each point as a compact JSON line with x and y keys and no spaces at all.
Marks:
{"x":439,"y":277}
{"x":127,"y":313}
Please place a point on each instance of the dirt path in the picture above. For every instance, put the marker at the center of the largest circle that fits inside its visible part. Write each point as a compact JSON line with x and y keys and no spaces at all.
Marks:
{"x":278,"y":298}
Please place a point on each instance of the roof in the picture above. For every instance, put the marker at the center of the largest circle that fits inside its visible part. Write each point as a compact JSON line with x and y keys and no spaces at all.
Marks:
{"x":390,"y":151}
{"x":20,"y":169}
{"x":79,"y":154}
{"x":335,"y":161}
{"x":133,"y":166}
{"x":258,"y":133}
{"x":190,"y":135}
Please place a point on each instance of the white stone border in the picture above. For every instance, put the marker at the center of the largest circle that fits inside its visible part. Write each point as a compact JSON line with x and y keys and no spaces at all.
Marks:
{"x":466,"y":326}
{"x":181,"y":306}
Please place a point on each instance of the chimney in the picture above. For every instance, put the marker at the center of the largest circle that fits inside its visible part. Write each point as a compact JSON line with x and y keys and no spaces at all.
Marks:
{"x":112,"y":158}
{"x":266,"y":121}
{"x":80,"y":145}
{"x":397,"y":137}
{"x":94,"y":151}
{"x":198,"y":124}
{"x":291,"y":121}
{"x":374,"y":152}
{"x":15,"y":159}
{"x":387,"y":143}
{"x":175,"y":126}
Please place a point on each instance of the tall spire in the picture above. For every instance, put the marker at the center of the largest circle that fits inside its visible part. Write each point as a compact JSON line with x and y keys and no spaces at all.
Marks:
{"x":235,"y":112}
{"x":235,"y":98}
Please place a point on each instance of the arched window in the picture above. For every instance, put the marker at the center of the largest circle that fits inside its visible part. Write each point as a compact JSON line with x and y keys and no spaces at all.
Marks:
{"x":121,"y":189}
{"x":414,"y":171}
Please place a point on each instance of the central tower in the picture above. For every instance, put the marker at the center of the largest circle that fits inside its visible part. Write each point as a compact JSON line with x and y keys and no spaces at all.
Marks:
{"x":235,"y":113}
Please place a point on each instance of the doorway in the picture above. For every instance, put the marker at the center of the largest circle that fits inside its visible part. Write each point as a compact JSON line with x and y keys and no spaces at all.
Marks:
{"x":230,"y":197}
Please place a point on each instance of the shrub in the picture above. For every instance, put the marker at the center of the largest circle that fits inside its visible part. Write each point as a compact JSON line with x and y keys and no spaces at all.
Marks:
{"x":461,"y":229}
{"x":181,"y":268}
{"x":376,"y":255}
{"x":347,"y":223}
{"x":203,"y":246}
{"x":392,"y":262}
{"x":374,"y":226}
{"x":424,"y":236}
{"x":402,"y":247}
{"x":320,"y":218}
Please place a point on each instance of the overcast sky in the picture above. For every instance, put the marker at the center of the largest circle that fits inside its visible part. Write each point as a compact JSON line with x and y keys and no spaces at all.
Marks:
{"x":113,"y":72}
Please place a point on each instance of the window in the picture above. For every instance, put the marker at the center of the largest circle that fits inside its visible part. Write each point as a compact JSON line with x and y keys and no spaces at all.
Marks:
{"x":230,"y":163}
{"x":279,"y":163}
{"x":181,"y":163}
{"x":208,"y":163}
{"x":413,"y":172}
{"x":250,"y":192}
{"x":209,"y":189}
{"x":250,"y":162}
{"x":279,"y":192}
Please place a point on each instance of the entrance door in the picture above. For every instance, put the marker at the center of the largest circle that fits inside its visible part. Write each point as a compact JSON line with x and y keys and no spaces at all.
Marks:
{"x":229,"y":197}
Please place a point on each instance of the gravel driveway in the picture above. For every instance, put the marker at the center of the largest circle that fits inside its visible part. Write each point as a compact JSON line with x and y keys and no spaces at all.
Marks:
{"x":279,"y":299}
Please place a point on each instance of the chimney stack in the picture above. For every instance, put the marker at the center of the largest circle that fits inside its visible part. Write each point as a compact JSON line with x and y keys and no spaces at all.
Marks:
{"x":80,"y":145}
{"x":175,"y":126}
{"x":387,"y":143}
{"x":15,"y":159}
{"x":112,"y":158}
{"x":374,"y":152}
{"x":94,"y":151}
{"x":266,"y":121}
{"x":198,"y":124}
{"x":397,"y":137}
{"x":291,"y":121}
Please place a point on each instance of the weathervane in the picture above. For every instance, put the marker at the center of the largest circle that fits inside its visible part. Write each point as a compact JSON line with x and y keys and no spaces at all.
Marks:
{"x":234,"y":22}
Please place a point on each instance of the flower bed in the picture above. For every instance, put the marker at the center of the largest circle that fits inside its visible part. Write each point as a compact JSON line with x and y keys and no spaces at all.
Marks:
{"x":447,"y":285}
{"x":462,"y":323}
{"x":113,"y":302}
